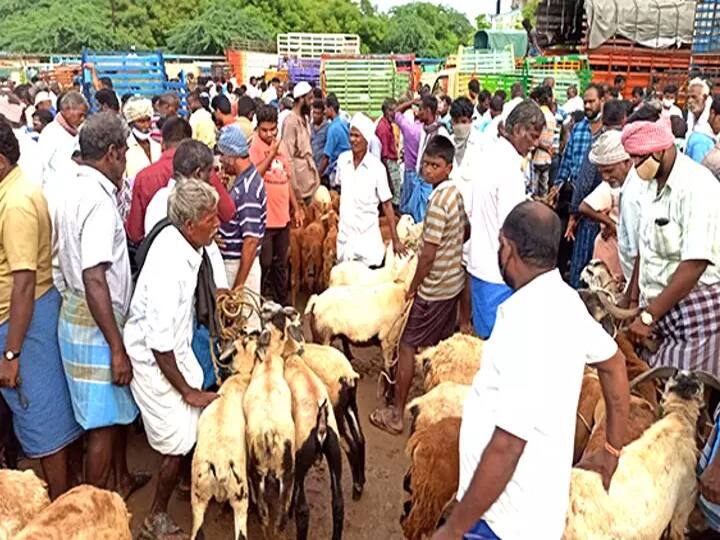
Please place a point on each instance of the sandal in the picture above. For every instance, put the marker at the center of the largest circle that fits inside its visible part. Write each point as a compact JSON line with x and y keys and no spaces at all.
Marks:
{"x":161,"y":527}
{"x":383,"y":419}
{"x":138,"y":480}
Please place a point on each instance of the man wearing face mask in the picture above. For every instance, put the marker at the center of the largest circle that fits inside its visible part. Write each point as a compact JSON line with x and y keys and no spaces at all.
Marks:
{"x":516,"y":441}
{"x":676,"y":279}
{"x":701,"y":137}
{"x":501,"y":189}
{"x":668,"y":102}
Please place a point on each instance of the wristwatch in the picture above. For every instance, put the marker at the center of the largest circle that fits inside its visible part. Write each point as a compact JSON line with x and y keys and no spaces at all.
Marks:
{"x":646,"y":318}
{"x":10,"y":355}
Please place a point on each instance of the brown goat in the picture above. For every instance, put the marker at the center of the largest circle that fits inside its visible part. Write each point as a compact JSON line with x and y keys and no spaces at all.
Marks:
{"x":295,"y":256}
{"x":335,"y":201}
{"x":590,"y":395}
{"x":432,"y":478}
{"x":22,"y":496}
{"x":312,"y":256}
{"x":330,"y":247}
{"x":640,"y":417}
{"x":83,"y":512}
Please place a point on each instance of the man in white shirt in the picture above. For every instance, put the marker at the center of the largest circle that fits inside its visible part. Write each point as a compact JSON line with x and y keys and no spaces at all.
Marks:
{"x":167,"y":382}
{"x":518,"y":424}
{"x":58,"y":140}
{"x":498,"y":187}
{"x":617,"y":171}
{"x":676,"y":280}
{"x":12,"y":109}
{"x":364,"y":185}
{"x":95,"y":267}
{"x":669,"y":95}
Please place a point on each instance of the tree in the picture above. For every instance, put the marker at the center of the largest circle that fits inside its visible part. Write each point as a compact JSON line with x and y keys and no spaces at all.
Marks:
{"x":426,"y":29}
{"x":217,"y":27}
{"x":482,"y":22}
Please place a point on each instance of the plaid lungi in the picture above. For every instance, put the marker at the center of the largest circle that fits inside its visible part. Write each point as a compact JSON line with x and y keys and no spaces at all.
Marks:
{"x":690,"y":333}
{"x":96,"y":401}
{"x":395,"y":179}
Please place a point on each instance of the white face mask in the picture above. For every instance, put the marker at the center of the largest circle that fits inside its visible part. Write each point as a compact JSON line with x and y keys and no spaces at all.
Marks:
{"x":667,"y":103}
{"x":141,"y":135}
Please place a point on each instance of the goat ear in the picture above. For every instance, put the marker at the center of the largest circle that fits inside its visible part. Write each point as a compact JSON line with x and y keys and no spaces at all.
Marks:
{"x":296,"y":333}
{"x":608,"y":324}
{"x":264,"y":338}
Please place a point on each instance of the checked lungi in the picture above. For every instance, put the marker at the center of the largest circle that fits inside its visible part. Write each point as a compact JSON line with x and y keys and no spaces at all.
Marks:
{"x":690,"y":333}
{"x":395,"y":179}
{"x":97,"y":402}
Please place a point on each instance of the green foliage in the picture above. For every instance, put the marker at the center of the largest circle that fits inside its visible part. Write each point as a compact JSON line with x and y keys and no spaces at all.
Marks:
{"x":529,"y":11}
{"x":208,"y":26}
{"x":426,"y":29}
{"x":482,"y":22}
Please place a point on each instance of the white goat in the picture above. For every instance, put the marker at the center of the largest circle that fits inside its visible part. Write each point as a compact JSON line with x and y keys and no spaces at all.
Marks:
{"x":219,"y":462}
{"x":655,"y":485}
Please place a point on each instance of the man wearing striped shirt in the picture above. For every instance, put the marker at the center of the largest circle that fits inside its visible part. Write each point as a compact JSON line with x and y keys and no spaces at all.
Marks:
{"x":439,"y":278}
{"x":242,"y":236}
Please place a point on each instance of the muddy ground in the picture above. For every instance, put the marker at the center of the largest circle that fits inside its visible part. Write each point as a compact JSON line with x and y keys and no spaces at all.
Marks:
{"x":375,"y":516}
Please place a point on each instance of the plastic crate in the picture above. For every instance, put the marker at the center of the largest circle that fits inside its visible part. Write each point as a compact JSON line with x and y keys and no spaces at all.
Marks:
{"x":361,"y":84}
{"x":706,"y":33}
{"x":486,"y":60}
{"x":567,"y":70}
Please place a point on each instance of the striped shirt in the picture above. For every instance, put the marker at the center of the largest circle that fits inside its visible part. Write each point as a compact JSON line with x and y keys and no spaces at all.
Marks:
{"x":248,"y":194}
{"x":445,"y":227}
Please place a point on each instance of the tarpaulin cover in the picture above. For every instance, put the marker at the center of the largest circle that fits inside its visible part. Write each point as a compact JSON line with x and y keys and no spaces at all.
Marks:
{"x":498,"y":40}
{"x":652,"y":23}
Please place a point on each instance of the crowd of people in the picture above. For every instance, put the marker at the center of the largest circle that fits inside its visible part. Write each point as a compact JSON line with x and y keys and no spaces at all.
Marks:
{"x":117,"y":229}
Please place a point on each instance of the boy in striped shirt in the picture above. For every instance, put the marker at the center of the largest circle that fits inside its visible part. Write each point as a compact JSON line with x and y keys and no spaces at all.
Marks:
{"x":439,"y":278}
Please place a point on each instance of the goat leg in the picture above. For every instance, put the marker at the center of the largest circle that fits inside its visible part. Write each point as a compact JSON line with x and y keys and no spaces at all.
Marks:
{"x":331,"y":449}
{"x":356,"y":433}
{"x":239,"y":503}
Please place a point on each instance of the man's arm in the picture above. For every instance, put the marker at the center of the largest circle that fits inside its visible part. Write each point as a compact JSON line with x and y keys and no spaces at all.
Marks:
{"x":425,"y":263}
{"x":99,"y":303}
{"x":564,"y":171}
{"x":249,"y":252}
{"x":681,"y":283}
{"x":496,"y":468}
{"x":600,"y":217}
{"x":226,"y":205}
{"x":262,"y":165}
{"x":616,"y":392}
{"x":192,"y":396}
{"x":22,"y":305}
{"x":323,"y":164}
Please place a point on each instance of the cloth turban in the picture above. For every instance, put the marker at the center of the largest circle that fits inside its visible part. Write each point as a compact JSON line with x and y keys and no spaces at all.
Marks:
{"x":301,"y":89}
{"x":137,"y":108}
{"x":42,"y":96}
{"x":608,"y":149}
{"x":11,"y":111}
{"x":364,"y":125}
{"x":232,"y":141}
{"x":643,"y":138}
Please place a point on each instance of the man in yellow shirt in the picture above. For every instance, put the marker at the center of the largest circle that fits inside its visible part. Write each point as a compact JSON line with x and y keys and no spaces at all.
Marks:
{"x":201,"y":121}
{"x":32,"y":380}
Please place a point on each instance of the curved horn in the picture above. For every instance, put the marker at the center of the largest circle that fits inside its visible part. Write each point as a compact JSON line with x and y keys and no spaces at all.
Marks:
{"x":617,"y":312}
{"x":708,"y":379}
{"x":654,"y":373}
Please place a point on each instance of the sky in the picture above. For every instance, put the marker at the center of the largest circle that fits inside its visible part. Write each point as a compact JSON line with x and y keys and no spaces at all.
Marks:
{"x":471,"y":8}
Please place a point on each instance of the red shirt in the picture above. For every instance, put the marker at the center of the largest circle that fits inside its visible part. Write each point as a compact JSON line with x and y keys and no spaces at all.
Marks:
{"x":384,"y":132}
{"x":156,"y":176}
{"x":277,"y":182}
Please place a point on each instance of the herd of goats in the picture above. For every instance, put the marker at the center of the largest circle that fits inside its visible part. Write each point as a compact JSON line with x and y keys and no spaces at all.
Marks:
{"x":285,"y":404}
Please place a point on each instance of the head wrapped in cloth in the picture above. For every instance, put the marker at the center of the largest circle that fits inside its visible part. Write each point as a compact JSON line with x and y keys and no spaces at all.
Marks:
{"x":643,"y":138}
{"x":364,"y":125}
{"x":608,"y":149}
{"x":137,"y":108}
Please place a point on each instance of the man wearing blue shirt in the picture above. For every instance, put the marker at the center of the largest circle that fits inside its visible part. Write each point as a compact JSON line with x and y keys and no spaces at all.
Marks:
{"x":338,"y":138}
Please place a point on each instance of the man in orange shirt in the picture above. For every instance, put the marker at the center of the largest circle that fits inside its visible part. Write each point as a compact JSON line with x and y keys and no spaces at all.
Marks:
{"x":270,"y":157}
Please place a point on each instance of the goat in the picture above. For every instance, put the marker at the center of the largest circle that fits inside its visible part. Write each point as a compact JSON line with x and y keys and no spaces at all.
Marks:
{"x":22,"y":496}
{"x":329,"y":246}
{"x":83,"y":512}
{"x":655,"y":484}
{"x":590,"y":395}
{"x":316,"y":434}
{"x":335,"y":201}
{"x":360,"y":314}
{"x":270,"y":440}
{"x":455,"y":359}
{"x":444,"y":401}
{"x":432,"y":478}
{"x":295,"y":257}
{"x":340,"y":379}
{"x":219,"y":461}
{"x":312,"y":256}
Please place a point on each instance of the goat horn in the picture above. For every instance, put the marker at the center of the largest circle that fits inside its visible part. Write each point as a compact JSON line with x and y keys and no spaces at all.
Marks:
{"x":654,"y":373}
{"x":617,"y":312}
{"x":708,"y":379}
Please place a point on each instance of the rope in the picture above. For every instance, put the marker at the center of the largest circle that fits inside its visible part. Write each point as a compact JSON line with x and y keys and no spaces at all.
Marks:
{"x":584,"y":422}
{"x":233,"y":309}
{"x":387,"y":369}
